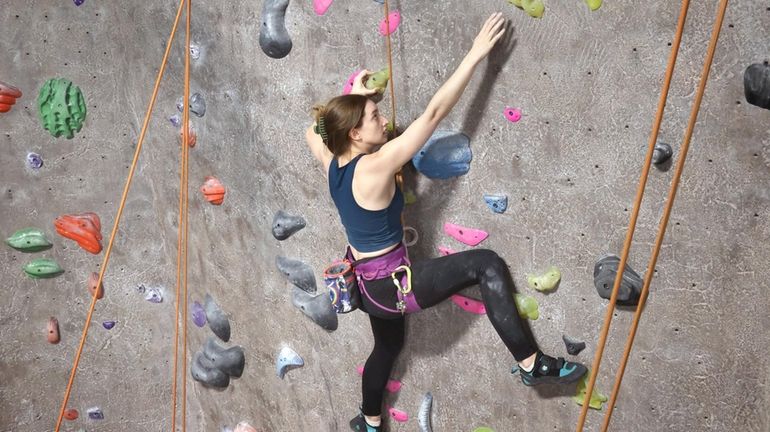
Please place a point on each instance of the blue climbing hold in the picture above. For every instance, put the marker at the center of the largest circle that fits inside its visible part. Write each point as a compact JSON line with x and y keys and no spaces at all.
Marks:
{"x":498,"y":203}
{"x":446,"y":154}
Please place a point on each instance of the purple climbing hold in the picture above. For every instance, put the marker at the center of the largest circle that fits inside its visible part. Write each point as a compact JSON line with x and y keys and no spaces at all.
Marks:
{"x":175,"y":120}
{"x":108,"y":324}
{"x":95,"y":413}
{"x":78,"y":2}
{"x":198,"y":314}
{"x":34,"y":160}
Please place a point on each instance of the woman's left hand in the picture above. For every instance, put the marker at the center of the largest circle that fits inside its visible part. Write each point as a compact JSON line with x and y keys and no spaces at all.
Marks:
{"x":358,"y":84}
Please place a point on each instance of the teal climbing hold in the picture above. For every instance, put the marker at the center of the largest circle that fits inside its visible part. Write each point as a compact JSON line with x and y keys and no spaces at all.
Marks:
{"x":61,"y":107}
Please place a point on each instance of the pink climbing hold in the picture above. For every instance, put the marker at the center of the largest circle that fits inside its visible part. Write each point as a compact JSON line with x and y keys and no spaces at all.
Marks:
{"x":349,"y":83}
{"x":392,"y":386}
{"x":444,"y":251}
{"x":469,"y":236}
{"x":321,"y":6}
{"x":512,"y":114}
{"x":394,"y":19}
{"x":398,"y":415}
{"x":469,"y":304}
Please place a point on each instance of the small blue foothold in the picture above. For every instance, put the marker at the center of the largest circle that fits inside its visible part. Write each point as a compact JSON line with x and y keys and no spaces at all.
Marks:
{"x":446,"y":154}
{"x":287,"y":359}
{"x":498,"y":203}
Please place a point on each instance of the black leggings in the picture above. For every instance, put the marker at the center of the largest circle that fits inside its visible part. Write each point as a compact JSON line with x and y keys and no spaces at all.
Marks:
{"x":434,"y":281}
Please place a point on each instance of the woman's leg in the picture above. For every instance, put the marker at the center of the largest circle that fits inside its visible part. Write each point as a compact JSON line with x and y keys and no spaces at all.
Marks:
{"x":388,"y":341}
{"x":435,"y":280}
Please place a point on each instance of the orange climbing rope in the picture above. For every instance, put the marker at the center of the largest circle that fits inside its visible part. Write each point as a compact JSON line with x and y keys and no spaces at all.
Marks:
{"x":666,"y":213}
{"x":390,"y":66}
{"x":181,"y":261}
{"x":121,"y":206}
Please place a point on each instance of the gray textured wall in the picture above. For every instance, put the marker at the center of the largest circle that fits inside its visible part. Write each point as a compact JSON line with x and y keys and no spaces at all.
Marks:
{"x":587,"y":84}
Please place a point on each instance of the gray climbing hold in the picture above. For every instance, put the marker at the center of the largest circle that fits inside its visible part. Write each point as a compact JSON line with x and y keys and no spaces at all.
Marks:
{"x":204,"y":371}
{"x":423,"y":415}
{"x":298,"y":273}
{"x":318,"y":308}
{"x":287,"y":359}
{"x":273,"y":36}
{"x":604,"y":279}
{"x":662,"y":153}
{"x":284,"y":225}
{"x":446,"y":154}
{"x":217,"y":319}
{"x":756,"y":85}
{"x":498,"y":203}
{"x":573,"y":346}
{"x":228,"y":360}
{"x":197,"y":105}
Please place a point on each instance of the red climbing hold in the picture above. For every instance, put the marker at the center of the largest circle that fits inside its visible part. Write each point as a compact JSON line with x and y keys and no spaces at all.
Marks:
{"x":84,"y":228}
{"x":52,"y":329}
{"x":8,"y":96}
{"x":213,"y":190}
{"x":71,"y":414}
{"x":92,"y":288}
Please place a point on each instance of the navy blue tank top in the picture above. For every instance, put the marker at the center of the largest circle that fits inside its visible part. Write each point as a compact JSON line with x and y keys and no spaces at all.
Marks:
{"x":367,"y":230}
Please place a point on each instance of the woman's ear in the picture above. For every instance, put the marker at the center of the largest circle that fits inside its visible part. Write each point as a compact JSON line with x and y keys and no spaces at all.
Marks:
{"x":354,"y":134}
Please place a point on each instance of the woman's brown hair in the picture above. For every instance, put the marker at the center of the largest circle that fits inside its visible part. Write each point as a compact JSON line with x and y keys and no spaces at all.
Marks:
{"x":337,"y":118}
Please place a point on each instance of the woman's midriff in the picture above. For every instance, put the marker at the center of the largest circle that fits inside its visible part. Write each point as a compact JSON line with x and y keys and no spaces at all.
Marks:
{"x":361,"y":255}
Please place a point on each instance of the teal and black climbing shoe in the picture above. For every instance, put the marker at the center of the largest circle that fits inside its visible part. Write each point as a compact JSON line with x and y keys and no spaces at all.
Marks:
{"x":359,"y":424}
{"x":549,"y":370}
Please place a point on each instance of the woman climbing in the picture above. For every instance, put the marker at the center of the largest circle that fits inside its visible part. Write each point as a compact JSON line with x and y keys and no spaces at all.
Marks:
{"x":350,"y":139}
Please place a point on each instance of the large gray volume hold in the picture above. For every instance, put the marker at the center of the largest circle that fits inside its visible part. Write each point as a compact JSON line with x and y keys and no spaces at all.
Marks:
{"x":298,"y":273}
{"x":228,"y":360}
{"x":318,"y":308}
{"x":204,"y":371}
{"x":217,"y":319}
{"x":631,"y":283}
{"x":756,"y":85}
{"x":284,"y":225}
{"x":273,"y":36}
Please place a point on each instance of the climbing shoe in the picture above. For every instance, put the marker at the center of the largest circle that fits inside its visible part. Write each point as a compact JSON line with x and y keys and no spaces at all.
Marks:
{"x":359,"y":424}
{"x":549,"y":370}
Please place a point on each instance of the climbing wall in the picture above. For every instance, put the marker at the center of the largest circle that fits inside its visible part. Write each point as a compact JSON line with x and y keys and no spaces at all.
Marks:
{"x":558,"y":120}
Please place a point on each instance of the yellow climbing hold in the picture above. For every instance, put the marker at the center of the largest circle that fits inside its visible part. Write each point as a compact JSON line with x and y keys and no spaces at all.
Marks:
{"x":527,"y":306}
{"x":533,"y":8}
{"x":593,"y":4}
{"x":545,"y":282}
{"x":483,"y":429}
{"x":597,"y":399}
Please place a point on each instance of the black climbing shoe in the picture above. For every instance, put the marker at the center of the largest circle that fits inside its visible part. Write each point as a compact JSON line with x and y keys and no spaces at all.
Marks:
{"x":549,"y":370}
{"x":359,"y":424}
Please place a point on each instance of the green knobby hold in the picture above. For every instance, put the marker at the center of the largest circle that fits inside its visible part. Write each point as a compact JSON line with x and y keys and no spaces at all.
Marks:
{"x":527,"y":306}
{"x":389,"y":127}
{"x":597,"y":399}
{"x":29,"y":240}
{"x":594,"y":4}
{"x":409,"y":197}
{"x":42,"y":268}
{"x":545,"y":282}
{"x":483,"y":429}
{"x":378,"y":80}
{"x":533,"y":8}
{"x":61,"y":107}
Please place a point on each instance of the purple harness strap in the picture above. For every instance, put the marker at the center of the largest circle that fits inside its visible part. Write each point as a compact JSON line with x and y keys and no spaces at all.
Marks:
{"x":381,"y":267}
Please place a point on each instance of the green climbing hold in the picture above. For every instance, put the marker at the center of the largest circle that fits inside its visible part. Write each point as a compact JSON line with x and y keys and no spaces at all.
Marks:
{"x":597,"y":399}
{"x":409,"y":197}
{"x":389,"y":127}
{"x":483,"y":429}
{"x":42,"y":268}
{"x":527,"y":306}
{"x":29,"y":240}
{"x":547,"y":281}
{"x":61,"y":107}
{"x":533,"y":8}
{"x":594,"y":4}
{"x":378,"y":80}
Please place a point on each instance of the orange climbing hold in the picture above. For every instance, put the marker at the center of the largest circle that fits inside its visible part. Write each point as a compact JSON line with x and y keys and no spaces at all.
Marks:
{"x":213,"y":190}
{"x":192,"y":137}
{"x":53,"y":331}
{"x":92,"y":288}
{"x":8,"y":96}
{"x":84,"y":228}
{"x":71,"y":414}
